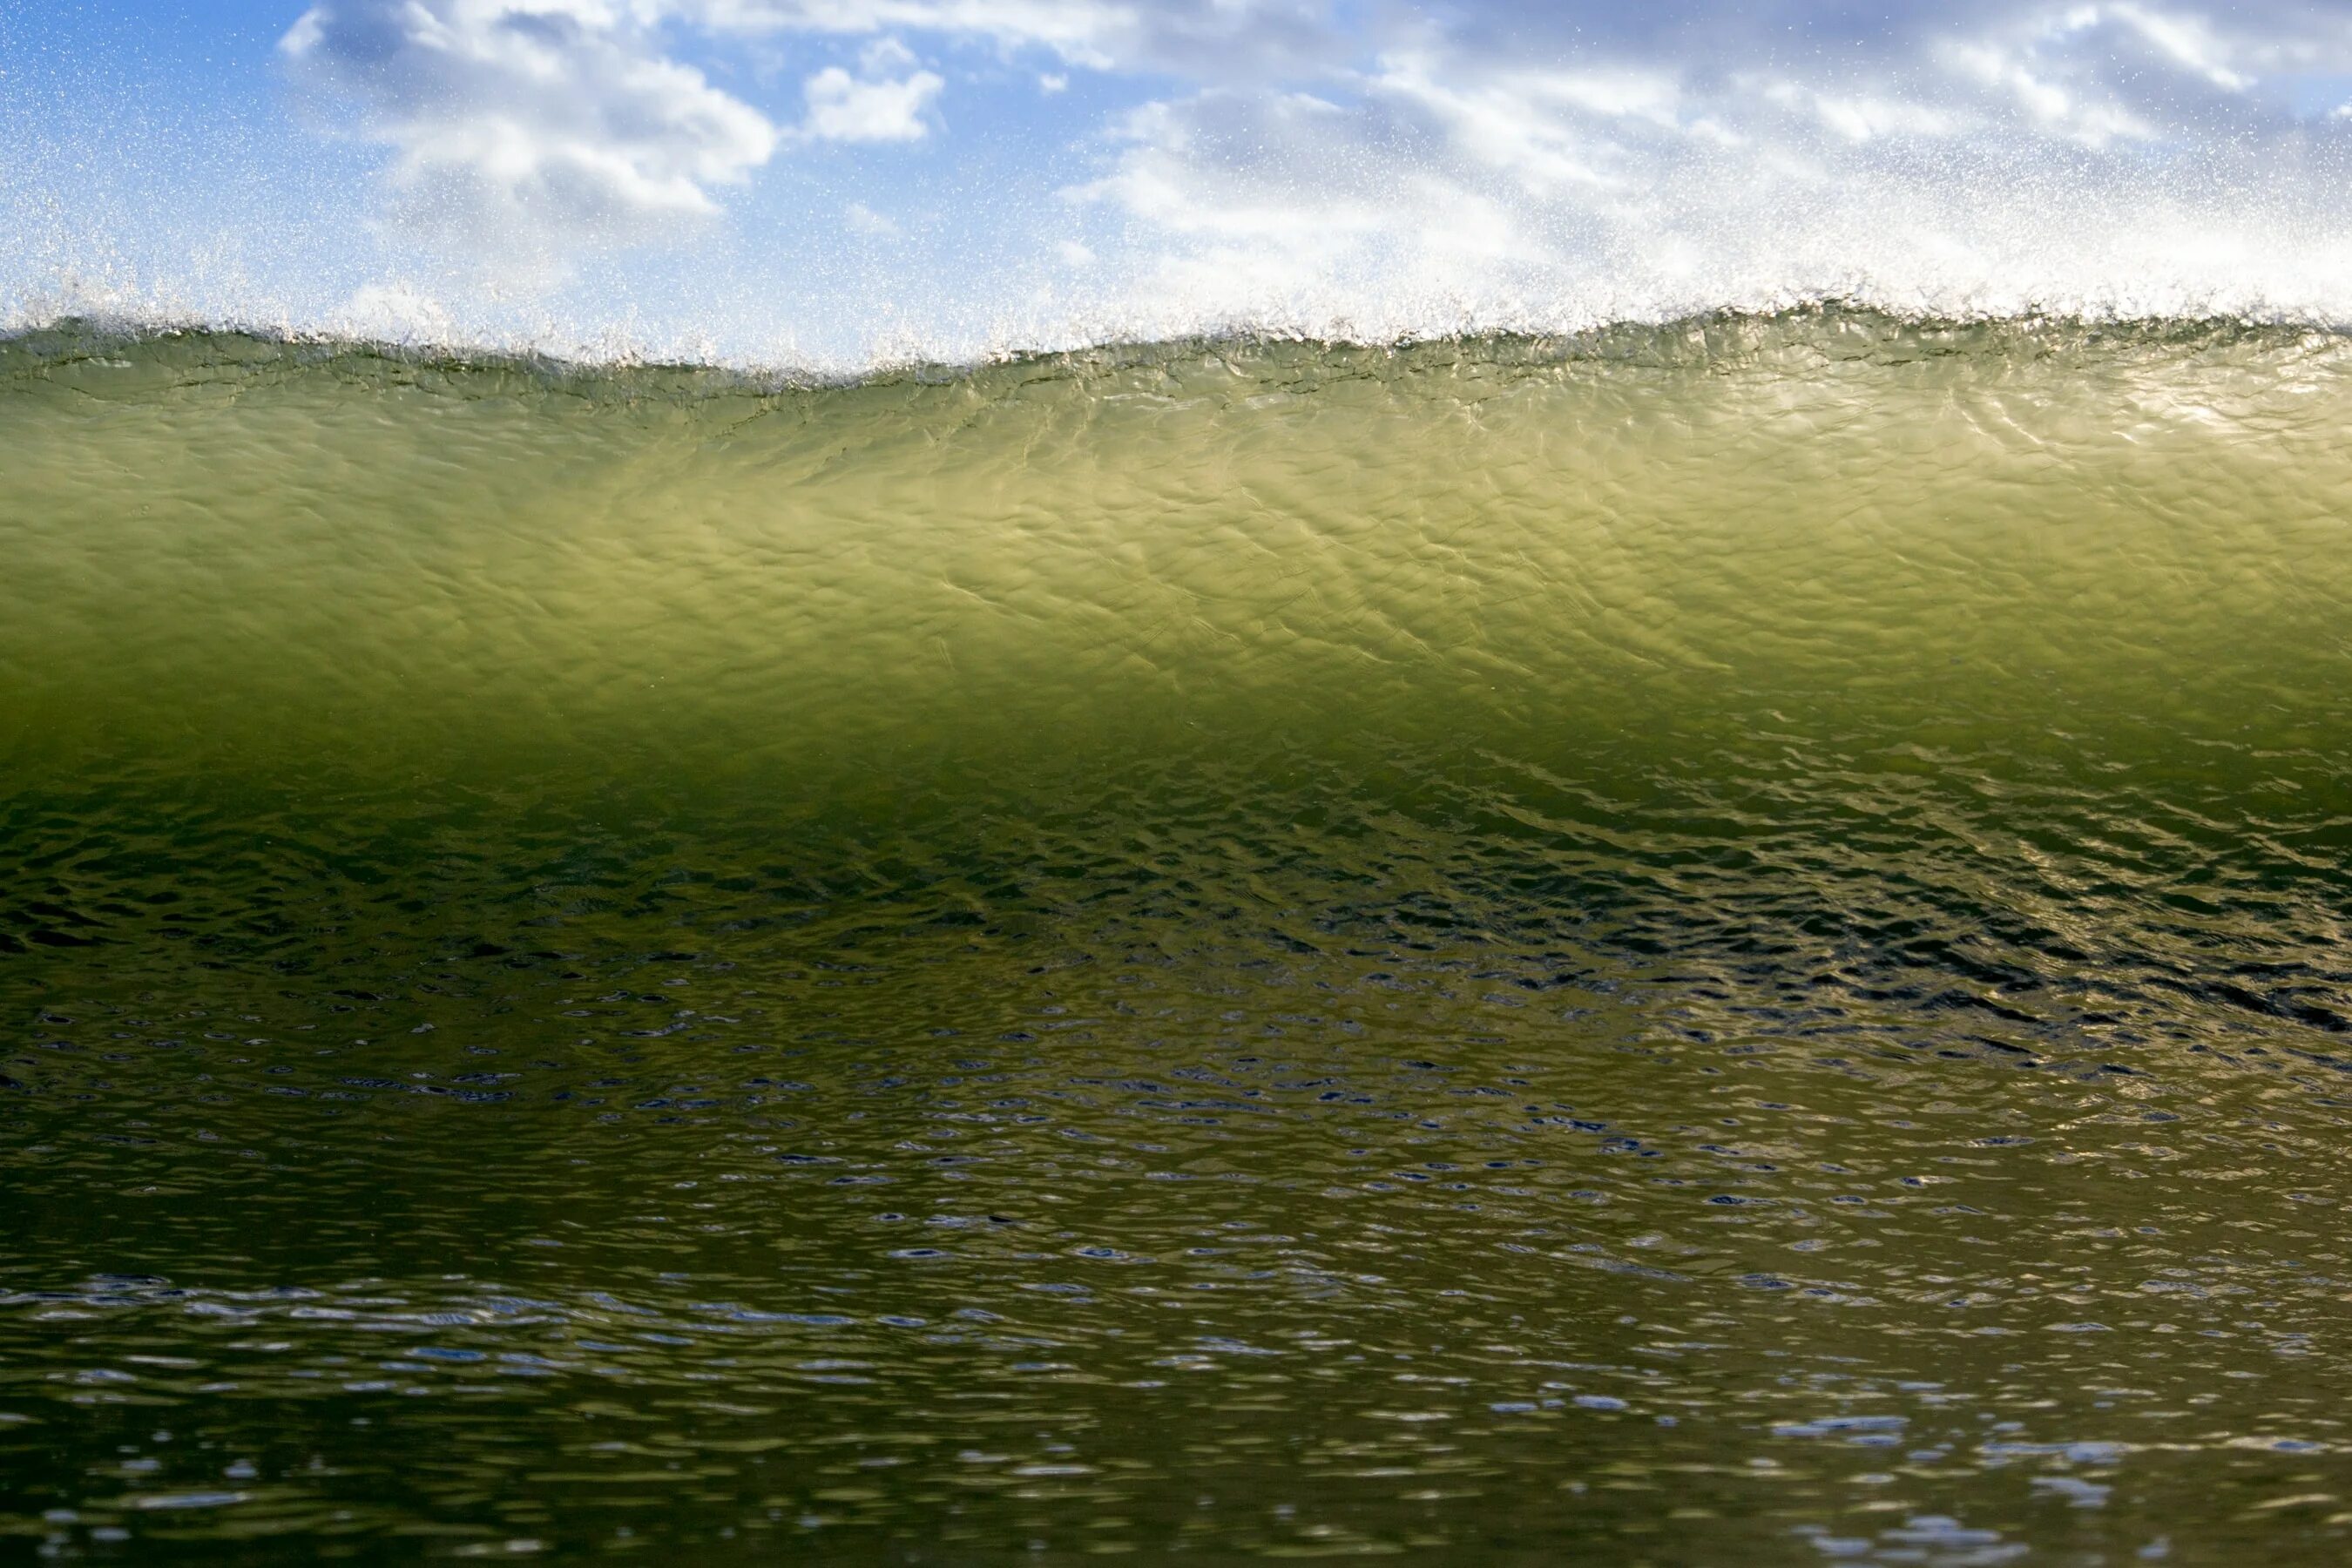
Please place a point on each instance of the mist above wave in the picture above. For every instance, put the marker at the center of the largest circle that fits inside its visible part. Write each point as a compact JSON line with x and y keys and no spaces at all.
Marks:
{"x":2212,"y":369}
{"x":953,"y":183}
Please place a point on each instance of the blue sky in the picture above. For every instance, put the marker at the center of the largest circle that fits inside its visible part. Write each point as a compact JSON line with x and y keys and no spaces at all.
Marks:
{"x":835,"y":182}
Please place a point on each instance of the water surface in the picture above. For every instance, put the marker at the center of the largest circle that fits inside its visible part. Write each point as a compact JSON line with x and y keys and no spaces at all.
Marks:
{"x":1720,"y":943}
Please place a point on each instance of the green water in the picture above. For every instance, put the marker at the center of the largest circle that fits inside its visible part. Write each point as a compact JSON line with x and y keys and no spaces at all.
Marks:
{"x":1719,"y":944}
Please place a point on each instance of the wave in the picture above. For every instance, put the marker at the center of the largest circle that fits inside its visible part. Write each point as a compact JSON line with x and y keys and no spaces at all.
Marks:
{"x":669,"y":880}
{"x":1914,"y":665}
{"x":1795,"y":338}
{"x":1240,"y":532}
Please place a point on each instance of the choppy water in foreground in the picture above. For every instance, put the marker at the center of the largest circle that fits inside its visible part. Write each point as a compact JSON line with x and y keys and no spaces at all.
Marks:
{"x":1719,"y":944}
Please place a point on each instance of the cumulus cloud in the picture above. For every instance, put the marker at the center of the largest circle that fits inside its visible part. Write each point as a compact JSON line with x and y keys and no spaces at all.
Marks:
{"x":1089,"y":31}
{"x":551,"y":121}
{"x":844,"y":108}
{"x":540,"y":126}
{"x":1205,"y":39}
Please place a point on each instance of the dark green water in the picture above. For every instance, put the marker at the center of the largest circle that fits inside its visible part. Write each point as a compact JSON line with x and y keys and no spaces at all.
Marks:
{"x":1722,"y":945}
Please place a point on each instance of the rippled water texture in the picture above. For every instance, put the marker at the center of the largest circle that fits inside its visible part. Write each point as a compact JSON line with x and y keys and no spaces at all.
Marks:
{"x":1720,"y":944}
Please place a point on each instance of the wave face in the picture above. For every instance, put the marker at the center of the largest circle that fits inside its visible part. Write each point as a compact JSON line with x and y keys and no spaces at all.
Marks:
{"x":1754,"y":908}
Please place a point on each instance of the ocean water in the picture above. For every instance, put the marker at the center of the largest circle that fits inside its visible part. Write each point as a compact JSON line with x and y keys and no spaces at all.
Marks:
{"x":1704,"y":942}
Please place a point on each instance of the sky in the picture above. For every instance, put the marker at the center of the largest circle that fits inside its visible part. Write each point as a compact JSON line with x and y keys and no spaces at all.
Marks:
{"x":835,"y":184}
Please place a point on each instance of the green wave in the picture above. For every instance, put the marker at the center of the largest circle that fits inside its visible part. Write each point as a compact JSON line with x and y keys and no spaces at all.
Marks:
{"x":1433,"y":944}
{"x":1991,"y":631}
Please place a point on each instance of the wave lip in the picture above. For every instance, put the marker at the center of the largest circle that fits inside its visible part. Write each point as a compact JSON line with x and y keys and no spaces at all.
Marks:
{"x":1797,"y":336}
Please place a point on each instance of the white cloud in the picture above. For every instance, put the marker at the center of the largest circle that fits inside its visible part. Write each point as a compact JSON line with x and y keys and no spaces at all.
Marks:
{"x":842,"y":108}
{"x":1869,"y":117}
{"x":539,"y":122}
{"x":884,"y":56}
{"x":2188,"y":41}
{"x":1081,"y":30}
{"x":1344,"y":167}
{"x":2049,"y":106}
{"x":1992,"y":156}
{"x":1203,"y":39}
